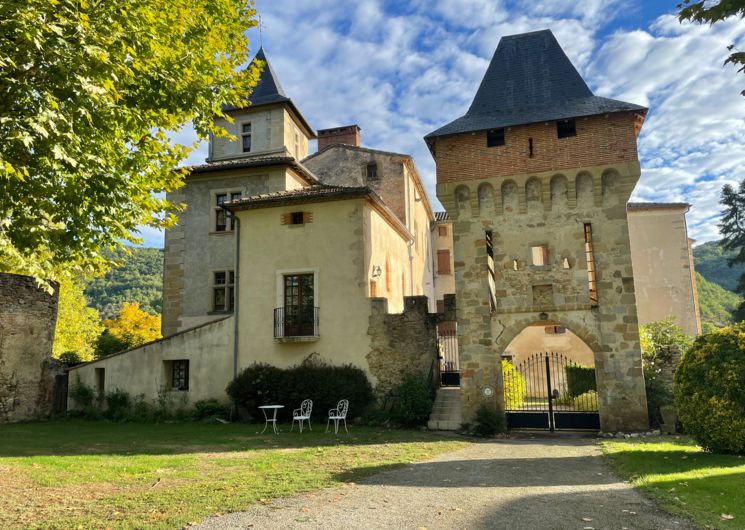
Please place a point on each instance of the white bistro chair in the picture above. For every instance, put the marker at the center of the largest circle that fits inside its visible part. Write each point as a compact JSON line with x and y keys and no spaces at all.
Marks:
{"x":337,"y":414}
{"x":302,"y":414}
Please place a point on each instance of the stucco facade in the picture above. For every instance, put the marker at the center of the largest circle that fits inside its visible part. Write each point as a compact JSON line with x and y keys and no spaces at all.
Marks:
{"x":664,"y":274}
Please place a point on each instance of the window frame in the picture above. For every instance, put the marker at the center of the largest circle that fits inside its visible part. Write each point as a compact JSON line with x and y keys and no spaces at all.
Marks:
{"x":566,"y":128}
{"x":495,"y":137}
{"x":182,"y":366}
{"x":219,"y":213}
{"x":246,"y":135}
{"x":371,"y":172}
{"x":227,"y":288}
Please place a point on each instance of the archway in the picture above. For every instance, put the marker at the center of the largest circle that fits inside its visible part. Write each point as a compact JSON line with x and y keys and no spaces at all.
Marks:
{"x":549,"y":380}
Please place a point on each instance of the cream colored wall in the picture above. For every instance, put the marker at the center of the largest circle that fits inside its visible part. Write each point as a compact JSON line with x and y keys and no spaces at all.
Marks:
{"x":419,"y":226}
{"x":295,"y":139}
{"x":267,"y":132}
{"x":663,"y":271}
{"x":384,"y":243}
{"x":444,"y":283}
{"x":331,"y":247}
{"x":142,"y":371}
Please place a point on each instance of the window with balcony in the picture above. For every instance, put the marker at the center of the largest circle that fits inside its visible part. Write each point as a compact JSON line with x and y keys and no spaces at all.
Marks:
{"x":298,"y":317}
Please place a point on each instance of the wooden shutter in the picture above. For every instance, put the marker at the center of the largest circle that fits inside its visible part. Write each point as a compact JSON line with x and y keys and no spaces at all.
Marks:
{"x":443,"y":261}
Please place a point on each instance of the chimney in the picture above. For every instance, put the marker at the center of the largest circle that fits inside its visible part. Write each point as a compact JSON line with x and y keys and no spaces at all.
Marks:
{"x":348,"y":135}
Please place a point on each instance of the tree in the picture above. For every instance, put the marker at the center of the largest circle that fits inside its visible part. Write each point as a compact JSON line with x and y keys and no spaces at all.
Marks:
{"x":732,"y":228}
{"x":134,"y":326}
{"x":704,"y":11}
{"x":89,"y":91}
{"x":78,"y":326}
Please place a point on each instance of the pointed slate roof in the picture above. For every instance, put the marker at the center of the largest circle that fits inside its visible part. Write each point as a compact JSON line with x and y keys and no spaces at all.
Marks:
{"x":530,"y":79}
{"x":268,"y":90}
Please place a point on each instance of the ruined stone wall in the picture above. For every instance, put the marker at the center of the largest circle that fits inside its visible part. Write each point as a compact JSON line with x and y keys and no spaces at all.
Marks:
{"x":404,"y":342}
{"x":548,"y":209}
{"x":28,"y":316}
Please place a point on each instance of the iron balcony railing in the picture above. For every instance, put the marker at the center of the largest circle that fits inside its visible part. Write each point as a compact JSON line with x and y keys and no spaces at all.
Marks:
{"x":295,"y":322}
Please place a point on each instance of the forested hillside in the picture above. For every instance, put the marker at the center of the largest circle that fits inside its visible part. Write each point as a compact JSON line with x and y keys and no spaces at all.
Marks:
{"x":715,"y":302}
{"x":711,"y":262}
{"x":140,"y":279}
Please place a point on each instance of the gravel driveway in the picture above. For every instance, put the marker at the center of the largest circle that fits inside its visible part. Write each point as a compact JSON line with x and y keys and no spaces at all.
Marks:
{"x":529,"y":482}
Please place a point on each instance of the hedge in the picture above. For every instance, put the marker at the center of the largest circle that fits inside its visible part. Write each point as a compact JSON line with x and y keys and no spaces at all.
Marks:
{"x":580,"y":379}
{"x":263,"y":384}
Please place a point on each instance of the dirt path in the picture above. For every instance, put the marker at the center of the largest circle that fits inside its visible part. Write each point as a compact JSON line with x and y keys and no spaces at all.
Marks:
{"x":531,"y":483}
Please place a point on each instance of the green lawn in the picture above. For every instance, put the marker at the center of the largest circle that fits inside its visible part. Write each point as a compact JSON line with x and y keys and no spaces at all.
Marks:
{"x":683,"y":479}
{"x":80,"y":474}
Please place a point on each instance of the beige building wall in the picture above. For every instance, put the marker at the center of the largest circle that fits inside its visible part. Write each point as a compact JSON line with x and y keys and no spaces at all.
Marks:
{"x":444,"y":280}
{"x":664,"y":277}
{"x":147,"y":370}
{"x":420,"y":217}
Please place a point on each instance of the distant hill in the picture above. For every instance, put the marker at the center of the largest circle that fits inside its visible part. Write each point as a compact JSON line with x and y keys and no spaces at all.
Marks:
{"x":140,"y":279}
{"x":715,"y":302}
{"x":711,"y":262}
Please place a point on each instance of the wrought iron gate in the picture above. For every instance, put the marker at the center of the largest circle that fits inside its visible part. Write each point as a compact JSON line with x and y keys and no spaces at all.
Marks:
{"x":537,"y":395}
{"x":447,"y":345}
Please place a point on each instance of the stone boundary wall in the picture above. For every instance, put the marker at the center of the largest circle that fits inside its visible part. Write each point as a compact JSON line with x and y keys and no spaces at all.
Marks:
{"x":403,"y":342}
{"x":28,"y":316}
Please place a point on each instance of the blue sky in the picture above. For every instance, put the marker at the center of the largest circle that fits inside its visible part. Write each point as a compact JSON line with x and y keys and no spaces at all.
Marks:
{"x":402,"y":69}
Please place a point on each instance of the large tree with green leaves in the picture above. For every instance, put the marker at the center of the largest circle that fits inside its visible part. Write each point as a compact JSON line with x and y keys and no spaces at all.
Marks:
{"x":710,"y":12}
{"x":732,"y":228}
{"x":89,"y":92}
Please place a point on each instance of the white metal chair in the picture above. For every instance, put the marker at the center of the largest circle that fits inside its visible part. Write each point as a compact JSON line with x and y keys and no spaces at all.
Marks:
{"x":337,"y":414}
{"x":302,"y":414}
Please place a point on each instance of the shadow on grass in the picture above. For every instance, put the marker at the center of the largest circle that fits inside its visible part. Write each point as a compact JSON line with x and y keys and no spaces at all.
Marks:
{"x":79,"y":437}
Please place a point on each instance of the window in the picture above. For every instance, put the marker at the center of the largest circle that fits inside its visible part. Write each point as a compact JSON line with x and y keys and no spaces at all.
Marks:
{"x":297,"y":218}
{"x":246,"y":137}
{"x":443,"y":230}
{"x":440,"y":306}
{"x":100,"y":380}
{"x":223,"y":222}
{"x":180,"y":375}
{"x":565,"y":128}
{"x":443,"y":261}
{"x":490,"y":272}
{"x":372,"y":171}
{"x":299,"y":306}
{"x":555,"y":330}
{"x":494,"y":137}
{"x":540,"y":256}
{"x":223,"y":291}
{"x":591,"y":275}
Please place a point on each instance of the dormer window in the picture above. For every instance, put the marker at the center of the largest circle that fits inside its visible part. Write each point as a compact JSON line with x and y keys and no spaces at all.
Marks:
{"x":494,"y":137}
{"x":246,"y":137}
{"x":372,"y":171}
{"x":565,"y":128}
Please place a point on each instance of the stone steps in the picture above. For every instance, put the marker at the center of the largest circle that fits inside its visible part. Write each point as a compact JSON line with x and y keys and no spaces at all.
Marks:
{"x":446,"y":412}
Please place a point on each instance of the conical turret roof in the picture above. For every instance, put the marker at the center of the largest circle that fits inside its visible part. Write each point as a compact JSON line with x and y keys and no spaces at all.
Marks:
{"x":530,"y":79}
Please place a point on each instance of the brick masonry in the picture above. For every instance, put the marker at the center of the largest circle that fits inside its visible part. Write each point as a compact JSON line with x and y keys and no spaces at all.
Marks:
{"x":545,"y":201}
{"x":28,"y":316}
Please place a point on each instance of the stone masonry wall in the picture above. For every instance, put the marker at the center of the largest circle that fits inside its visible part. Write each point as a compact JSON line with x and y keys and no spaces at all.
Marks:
{"x":547,"y":209}
{"x":405,"y":342}
{"x":28,"y":316}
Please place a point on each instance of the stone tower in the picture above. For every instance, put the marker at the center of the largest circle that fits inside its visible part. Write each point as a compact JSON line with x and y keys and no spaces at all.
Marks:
{"x":536,"y":177}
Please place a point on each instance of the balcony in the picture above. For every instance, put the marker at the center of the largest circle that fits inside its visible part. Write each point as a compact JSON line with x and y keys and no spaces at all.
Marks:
{"x":296,"y":324}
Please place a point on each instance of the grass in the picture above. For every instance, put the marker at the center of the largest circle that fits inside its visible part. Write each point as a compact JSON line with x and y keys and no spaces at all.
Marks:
{"x":684,"y":479}
{"x":81,"y":474}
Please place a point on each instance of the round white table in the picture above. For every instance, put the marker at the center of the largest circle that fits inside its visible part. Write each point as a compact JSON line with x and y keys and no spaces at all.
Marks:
{"x":273,"y":419}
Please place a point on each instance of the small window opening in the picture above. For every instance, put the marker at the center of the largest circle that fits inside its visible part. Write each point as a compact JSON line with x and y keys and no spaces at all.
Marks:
{"x":555,"y":330}
{"x":100,"y":380}
{"x":443,"y":230}
{"x":221,"y":221}
{"x":490,"y":273}
{"x":566,"y":263}
{"x":223,"y":291}
{"x":515,"y":265}
{"x":372,"y":171}
{"x":591,"y":274}
{"x":296,"y":218}
{"x":246,"y":137}
{"x":540,"y":256}
{"x":180,"y":375}
{"x":530,"y":147}
{"x":565,"y":128}
{"x":494,"y":137}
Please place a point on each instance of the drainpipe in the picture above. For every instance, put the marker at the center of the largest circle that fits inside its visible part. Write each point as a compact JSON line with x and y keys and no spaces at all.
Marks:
{"x":236,"y":298}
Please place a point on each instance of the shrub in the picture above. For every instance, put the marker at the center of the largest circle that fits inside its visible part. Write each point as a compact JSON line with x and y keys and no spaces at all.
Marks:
{"x":376,"y":418}
{"x":70,"y":357}
{"x":658,"y":395}
{"x":710,"y":390}
{"x":580,"y":379}
{"x":82,"y":395}
{"x":585,"y":401}
{"x":108,"y":344}
{"x":489,"y":421}
{"x":117,"y":405}
{"x":414,"y":399}
{"x":262,"y":384}
{"x":515,"y":386}
{"x":210,"y":408}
